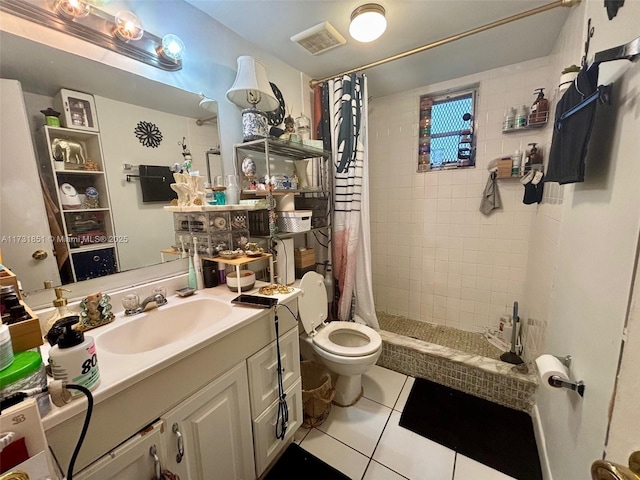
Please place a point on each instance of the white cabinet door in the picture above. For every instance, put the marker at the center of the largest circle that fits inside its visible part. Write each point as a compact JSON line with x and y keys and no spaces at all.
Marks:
{"x":263,"y":371}
{"x":133,"y":460}
{"x":267,"y":446}
{"x":214,"y":426}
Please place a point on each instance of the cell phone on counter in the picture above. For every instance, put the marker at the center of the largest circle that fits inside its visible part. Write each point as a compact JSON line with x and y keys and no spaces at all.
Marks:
{"x":255,"y":301}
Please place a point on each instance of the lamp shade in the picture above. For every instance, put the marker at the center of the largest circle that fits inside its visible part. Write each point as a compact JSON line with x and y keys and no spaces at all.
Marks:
{"x":251,"y":86}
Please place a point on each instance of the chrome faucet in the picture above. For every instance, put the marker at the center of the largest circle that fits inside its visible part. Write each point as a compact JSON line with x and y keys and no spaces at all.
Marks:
{"x":152,"y":301}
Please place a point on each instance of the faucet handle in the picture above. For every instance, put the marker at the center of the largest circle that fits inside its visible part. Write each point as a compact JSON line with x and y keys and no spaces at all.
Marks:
{"x":161,"y":289}
{"x":130,"y":302}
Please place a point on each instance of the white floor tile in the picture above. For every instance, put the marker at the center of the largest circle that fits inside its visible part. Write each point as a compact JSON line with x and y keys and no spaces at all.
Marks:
{"x":375,"y":471}
{"x":300,"y":434}
{"x":411,"y":455}
{"x":383,"y":385}
{"x":404,"y":394}
{"x":335,"y":453}
{"x":470,"y":469}
{"x":359,"y":426}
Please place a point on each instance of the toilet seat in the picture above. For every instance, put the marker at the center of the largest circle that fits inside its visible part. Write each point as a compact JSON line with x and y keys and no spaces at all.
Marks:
{"x":349,"y":332}
{"x":346,"y":339}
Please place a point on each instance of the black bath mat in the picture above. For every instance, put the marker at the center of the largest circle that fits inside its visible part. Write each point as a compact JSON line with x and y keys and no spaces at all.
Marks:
{"x":296,"y":462}
{"x":497,"y":436}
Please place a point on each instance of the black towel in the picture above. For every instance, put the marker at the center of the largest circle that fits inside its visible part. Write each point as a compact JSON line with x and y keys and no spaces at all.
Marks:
{"x":571,"y":141}
{"x":155,"y":182}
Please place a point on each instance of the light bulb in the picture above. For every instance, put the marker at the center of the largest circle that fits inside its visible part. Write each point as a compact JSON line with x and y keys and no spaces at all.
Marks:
{"x":73,"y":8}
{"x":367,"y":22}
{"x":128,"y":26}
{"x":172,"y":47}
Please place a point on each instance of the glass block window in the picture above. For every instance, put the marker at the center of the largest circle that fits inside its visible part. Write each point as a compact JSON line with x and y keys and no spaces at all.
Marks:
{"x":445,"y":138}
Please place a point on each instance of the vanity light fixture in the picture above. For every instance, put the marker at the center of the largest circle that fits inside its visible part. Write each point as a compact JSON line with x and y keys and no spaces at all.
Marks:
{"x":250,"y":88}
{"x":122,"y":33}
{"x":367,"y":22}
{"x":128,"y":26}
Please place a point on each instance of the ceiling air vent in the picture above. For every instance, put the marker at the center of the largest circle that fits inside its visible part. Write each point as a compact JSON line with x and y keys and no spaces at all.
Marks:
{"x":319,"y":39}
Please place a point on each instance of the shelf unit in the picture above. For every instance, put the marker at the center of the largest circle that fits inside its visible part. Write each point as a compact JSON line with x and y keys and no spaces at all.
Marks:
{"x":88,"y":232}
{"x":274,"y":157}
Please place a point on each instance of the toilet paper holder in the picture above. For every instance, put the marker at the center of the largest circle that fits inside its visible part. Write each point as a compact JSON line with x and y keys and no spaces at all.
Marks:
{"x":556,"y":381}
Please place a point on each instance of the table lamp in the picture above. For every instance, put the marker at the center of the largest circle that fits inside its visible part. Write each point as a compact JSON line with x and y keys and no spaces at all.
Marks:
{"x":250,"y":88}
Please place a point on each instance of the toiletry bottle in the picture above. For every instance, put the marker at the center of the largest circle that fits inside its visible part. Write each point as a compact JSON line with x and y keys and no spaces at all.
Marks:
{"x":61,"y":311}
{"x":515,"y":163}
{"x":73,"y":359}
{"x":521,"y":117}
{"x":233,"y":192}
{"x":509,"y":119}
{"x":540,"y":108}
{"x":6,"y":348}
{"x":197,"y":265}
{"x":209,"y":195}
{"x":192,"y":281}
{"x":535,"y":157}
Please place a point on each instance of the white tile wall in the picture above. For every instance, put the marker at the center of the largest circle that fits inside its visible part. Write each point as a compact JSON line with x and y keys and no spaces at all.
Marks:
{"x":436,"y":258}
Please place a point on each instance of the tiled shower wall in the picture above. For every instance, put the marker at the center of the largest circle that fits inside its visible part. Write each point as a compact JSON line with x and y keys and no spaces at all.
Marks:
{"x":435,"y":257}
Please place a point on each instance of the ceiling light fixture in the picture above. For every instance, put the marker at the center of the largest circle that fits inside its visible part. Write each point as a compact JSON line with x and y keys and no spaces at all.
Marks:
{"x":122,"y":33}
{"x":367,"y":22}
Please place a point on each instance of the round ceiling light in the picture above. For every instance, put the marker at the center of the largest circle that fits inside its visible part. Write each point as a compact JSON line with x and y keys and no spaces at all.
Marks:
{"x":367,"y":22}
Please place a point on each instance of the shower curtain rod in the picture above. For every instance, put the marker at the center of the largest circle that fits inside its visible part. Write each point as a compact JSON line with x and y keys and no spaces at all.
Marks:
{"x":452,"y":38}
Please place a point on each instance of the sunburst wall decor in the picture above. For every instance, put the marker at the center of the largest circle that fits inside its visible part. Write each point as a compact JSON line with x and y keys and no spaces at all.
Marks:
{"x":148,"y":134}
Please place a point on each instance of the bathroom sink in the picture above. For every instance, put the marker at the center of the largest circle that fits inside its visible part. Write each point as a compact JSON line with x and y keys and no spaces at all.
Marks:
{"x":162,"y":326}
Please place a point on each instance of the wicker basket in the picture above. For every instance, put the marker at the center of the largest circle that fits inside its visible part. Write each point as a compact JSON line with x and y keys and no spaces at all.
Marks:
{"x":317,"y":393}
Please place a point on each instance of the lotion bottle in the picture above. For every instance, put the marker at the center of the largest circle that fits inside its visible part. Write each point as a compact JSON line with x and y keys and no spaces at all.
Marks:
{"x":73,"y":359}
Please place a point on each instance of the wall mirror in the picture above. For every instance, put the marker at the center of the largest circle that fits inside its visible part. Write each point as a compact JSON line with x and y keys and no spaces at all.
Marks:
{"x":123,"y":101}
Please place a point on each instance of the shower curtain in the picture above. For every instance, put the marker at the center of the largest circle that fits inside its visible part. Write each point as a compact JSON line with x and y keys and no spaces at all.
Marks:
{"x":347,"y":121}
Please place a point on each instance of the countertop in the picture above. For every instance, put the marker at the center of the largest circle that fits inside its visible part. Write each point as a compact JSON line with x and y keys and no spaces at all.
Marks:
{"x":120,"y":371}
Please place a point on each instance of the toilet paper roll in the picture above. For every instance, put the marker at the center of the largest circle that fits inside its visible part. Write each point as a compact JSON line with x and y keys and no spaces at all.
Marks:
{"x":548,"y":366}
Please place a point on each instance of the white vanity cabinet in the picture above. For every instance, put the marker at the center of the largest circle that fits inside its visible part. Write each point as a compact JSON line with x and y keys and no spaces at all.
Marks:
{"x":263,"y":385}
{"x":208,"y":436}
{"x":223,"y":399}
{"x":138,"y":458}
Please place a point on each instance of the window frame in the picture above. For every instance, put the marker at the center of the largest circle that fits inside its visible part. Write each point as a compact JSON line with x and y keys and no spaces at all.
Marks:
{"x":424,"y":141}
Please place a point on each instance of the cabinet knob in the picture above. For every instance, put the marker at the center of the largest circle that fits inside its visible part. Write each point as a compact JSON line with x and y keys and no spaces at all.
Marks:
{"x":39,"y":254}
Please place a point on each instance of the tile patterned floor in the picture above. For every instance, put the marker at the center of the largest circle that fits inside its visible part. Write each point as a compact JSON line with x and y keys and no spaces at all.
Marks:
{"x":365,"y":441}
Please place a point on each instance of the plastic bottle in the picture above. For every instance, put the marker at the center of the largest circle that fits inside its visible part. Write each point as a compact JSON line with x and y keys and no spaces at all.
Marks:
{"x":540,"y":108}
{"x":534,"y":157}
{"x":6,"y":348}
{"x":509,"y":119}
{"x":515,"y":163}
{"x":74,"y":359}
{"x":197,"y":265}
{"x":209,"y":194}
{"x":233,"y":192}
{"x":521,"y":117}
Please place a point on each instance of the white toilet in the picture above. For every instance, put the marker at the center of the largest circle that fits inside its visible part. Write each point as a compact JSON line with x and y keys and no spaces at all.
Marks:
{"x":346,"y":348}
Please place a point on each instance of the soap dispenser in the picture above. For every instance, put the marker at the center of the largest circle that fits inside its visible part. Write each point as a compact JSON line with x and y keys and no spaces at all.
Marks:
{"x":73,"y":359}
{"x":60,"y":303}
{"x":540,"y":108}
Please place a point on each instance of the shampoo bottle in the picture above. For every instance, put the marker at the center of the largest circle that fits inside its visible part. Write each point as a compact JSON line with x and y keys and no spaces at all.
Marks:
{"x":73,"y":359}
{"x":521,"y":117}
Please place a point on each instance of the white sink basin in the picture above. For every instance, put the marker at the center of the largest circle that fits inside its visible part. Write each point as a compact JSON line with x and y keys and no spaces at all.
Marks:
{"x":163,"y":326}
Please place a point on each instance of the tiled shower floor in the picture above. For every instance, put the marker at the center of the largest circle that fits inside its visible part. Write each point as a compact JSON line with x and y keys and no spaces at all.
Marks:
{"x":468,"y":342}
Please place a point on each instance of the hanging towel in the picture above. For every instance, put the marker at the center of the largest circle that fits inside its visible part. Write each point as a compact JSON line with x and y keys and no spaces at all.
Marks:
{"x":155,"y":183}
{"x":571,"y":141}
{"x":491,"y":195}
